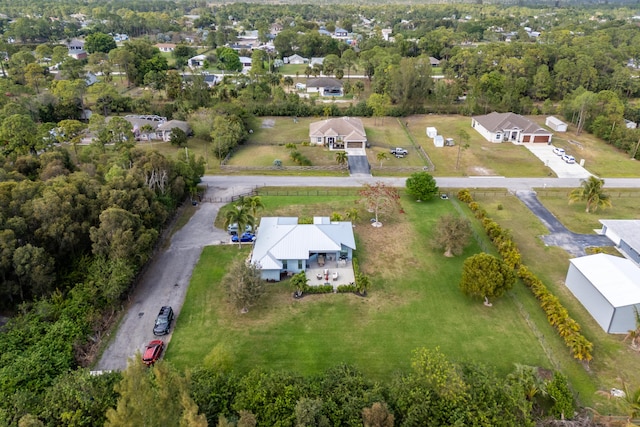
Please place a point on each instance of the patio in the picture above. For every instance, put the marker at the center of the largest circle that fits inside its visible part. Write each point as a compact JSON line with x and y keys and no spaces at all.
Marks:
{"x":316,"y":272}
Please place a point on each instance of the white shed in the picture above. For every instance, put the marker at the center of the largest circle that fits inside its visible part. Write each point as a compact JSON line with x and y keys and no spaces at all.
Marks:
{"x":438,"y":141}
{"x":432,"y":132}
{"x":609,"y":288}
{"x":556,"y":124}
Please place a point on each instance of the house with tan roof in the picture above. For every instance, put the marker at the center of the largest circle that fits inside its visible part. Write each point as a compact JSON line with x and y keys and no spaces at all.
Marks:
{"x":338,"y":133}
{"x":325,"y":86}
{"x":509,"y":127}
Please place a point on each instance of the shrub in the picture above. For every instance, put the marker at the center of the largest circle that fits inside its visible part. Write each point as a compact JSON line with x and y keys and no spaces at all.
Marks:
{"x":305,"y":220}
{"x":465,"y":196}
{"x":290,"y":146}
{"x":345,"y":289}
{"x":320,"y":289}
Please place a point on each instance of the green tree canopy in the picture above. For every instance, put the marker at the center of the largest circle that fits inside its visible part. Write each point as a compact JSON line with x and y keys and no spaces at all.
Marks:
{"x":99,"y":42}
{"x":486,"y":276}
{"x":422,"y":186}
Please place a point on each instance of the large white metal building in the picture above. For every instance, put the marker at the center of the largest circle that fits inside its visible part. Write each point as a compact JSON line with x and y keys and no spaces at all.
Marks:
{"x":609,"y":288}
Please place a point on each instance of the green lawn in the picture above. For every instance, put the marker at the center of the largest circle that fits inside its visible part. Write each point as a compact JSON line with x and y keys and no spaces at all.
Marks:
{"x":414,"y":302}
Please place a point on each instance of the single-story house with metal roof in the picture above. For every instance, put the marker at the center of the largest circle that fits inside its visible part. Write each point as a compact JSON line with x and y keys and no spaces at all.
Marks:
{"x":609,"y":288}
{"x":325,"y":86}
{"x":283,"y":246}
{"x":509,"y":127}
{"x":338,"y":133}
{"x":625,"y":234}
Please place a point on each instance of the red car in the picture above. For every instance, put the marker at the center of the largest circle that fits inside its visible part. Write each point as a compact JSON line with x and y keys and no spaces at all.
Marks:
{"x":152,"y":352}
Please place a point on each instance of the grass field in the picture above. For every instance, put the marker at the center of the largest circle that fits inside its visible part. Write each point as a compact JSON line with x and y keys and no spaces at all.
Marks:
{"x":480,"y":158}
{"x":414,"y":302}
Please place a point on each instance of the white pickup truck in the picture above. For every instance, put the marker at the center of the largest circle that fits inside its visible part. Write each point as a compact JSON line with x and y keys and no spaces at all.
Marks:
{"x":399,"y":152}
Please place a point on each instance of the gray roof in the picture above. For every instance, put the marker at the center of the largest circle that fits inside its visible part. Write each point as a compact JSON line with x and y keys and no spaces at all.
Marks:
{"x":349,"y":128}
{"x":617,"y":279}
{"x":324,"y":82}
{"x":497,"y":122}
{"x":171,"y":124}
{"x":282,"y":238}
{"x":627,"y":229}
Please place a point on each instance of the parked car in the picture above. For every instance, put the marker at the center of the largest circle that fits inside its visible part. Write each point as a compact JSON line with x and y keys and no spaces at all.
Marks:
{"x":569,"y":159}
{"x":233,"y":228}
{"x":559,"y":151}
{"x":163,"y":321}
{"x":152,"y":352}
{"x":399,"y":151}
{"x":245,"y":238}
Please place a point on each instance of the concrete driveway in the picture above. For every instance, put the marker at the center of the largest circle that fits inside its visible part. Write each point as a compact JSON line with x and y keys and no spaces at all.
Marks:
{"x":562,"y":169}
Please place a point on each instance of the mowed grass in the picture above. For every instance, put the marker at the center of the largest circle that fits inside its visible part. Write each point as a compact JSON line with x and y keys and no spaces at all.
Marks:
{"x":480,"y":158}
{"x":613,"y":361}
{"x":414,"y":301}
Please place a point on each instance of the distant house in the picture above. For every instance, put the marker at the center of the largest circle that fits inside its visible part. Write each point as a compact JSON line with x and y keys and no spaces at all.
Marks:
{"x":338,"y":133}
{"x":609,"y":288}
{"x":435,"y":62}
{"x":283,"y":246}
{"x":509,"y":127}
{"x":76,"y":49}
{"x":386,"y":33}
{"x":150,"y":127}
{"x":556,"y":124}
{"x":325,"y":86}
{"x":315,"y":61}
{"x":625,"y":234}
{"x":166,"y":47}
{"x":164,"y":129}
{"x":340,"y":33}
{"x":296,"y":59}
{"x":197,"y":61}
{"x":629,"y":124}
{"x":245,"y":61}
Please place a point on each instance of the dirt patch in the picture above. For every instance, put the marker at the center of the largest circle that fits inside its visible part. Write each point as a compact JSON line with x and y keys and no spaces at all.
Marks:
{"x":268,"y":123}
{"x":479,"y":170}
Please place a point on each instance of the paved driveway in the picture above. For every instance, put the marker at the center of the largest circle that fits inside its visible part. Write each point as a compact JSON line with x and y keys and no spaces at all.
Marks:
{"x":165,"y":282}
{"x":573,"y":243}
{"x":563,"y":170}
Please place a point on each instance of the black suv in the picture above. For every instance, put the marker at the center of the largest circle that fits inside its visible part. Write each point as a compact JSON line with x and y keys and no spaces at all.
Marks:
{"x":163,"y":321}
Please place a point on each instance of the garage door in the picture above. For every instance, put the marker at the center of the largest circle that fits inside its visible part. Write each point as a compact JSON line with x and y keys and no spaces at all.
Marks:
{"x":541,"y":138}
{"x":526,"y":138}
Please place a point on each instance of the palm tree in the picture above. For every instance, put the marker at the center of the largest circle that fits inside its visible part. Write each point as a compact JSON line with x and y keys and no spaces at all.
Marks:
{"x":591,"y":191}
{"x":381,"y":157}
{"x":341,"y":157}
{"x":254,"y":204}
{"x":241,"y":216}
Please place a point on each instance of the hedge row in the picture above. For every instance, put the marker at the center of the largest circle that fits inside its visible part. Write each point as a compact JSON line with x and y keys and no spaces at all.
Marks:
{"x":320,"y":289}
{"x":557,"y":315}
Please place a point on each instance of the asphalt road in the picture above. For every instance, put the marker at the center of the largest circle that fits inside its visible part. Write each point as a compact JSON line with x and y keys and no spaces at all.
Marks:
{"x":167,"y":277}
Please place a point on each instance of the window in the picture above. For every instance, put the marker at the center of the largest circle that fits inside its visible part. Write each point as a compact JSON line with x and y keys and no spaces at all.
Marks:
{"x":299,"y":264}
{"x":284,"y":264}
{"x":319,"y":139}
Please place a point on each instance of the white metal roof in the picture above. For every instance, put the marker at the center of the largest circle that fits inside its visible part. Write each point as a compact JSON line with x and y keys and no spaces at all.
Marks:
{"x":617,"y":279}
{"x":282,"y":238}
{"x":627,"y":229}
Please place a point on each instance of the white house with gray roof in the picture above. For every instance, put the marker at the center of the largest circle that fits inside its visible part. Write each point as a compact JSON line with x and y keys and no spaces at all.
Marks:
{"x":509,"y":127}
{"x":283,"y":246}
{"x":625,"y":234}
{"x":338,"y":133}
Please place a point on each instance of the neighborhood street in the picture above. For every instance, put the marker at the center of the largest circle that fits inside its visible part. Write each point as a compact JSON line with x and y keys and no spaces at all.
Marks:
{"x":167,"y":277}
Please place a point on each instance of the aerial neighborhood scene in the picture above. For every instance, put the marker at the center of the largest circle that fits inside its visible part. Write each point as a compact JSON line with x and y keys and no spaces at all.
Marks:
{"x":319,"y":214}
